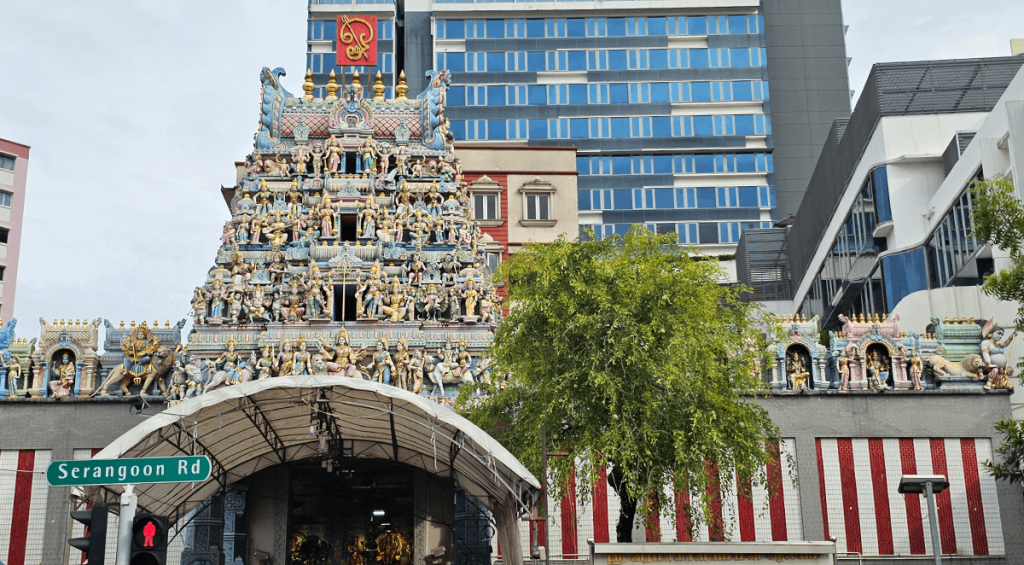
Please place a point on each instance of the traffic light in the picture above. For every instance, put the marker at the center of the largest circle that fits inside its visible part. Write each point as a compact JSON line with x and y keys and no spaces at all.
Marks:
{"x":149,"y":540}
{"x":94,"y":543}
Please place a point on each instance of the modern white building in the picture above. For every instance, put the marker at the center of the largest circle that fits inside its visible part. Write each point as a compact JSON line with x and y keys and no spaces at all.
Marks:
{"x":885,"y":226}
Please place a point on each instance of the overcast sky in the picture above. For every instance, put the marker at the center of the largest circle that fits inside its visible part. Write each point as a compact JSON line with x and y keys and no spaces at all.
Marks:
{"x":136,"y":112}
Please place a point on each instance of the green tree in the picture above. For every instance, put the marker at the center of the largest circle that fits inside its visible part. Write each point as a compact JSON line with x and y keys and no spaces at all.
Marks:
{"x":1011,"y":452}
{"x":634,"y":357}
{"x":999,"y":221}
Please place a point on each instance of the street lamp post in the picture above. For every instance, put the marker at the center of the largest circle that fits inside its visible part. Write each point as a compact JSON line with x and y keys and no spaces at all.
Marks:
{"x":929,"y":485}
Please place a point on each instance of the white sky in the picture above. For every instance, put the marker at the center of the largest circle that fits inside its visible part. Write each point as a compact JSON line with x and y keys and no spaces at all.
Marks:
{"x":136,"y":112}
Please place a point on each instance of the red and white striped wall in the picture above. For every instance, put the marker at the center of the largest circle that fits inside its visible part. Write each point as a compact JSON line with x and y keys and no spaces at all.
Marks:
{"x":740,"y":518}
{"x":860,"y":505}
{"x":23,"y":493}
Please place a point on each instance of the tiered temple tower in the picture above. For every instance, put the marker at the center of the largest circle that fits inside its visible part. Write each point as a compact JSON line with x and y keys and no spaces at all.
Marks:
{"x":350,"y":249}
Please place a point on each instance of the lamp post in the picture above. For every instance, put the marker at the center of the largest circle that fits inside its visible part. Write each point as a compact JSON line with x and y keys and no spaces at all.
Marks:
{"x":929,"y":485}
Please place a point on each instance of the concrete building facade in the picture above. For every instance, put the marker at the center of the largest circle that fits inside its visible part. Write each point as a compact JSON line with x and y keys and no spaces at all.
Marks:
{"x":13,"y":178}
{"x":669,"y":105}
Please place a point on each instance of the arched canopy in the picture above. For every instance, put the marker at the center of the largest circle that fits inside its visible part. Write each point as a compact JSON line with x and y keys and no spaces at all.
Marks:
{"x":251,"y":426}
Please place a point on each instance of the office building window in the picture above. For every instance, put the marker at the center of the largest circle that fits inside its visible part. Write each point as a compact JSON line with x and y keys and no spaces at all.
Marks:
{"x":4,"y":232}
{"x":538,"y":206}
{"x":2,"y":269}
{"x":7,"y":162}
{"x":493,"y":260}
{"x":5,"y":198}
{"x":485,"y":207}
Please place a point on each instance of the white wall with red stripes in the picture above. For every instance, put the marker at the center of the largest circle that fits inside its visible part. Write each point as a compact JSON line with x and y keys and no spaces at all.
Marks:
{"x":23,"y":494}
{"x":862,"y":508}
{"x":749,"y":517}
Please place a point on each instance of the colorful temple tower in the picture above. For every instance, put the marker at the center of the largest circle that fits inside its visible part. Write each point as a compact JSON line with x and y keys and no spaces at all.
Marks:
{"x":350,"y":249}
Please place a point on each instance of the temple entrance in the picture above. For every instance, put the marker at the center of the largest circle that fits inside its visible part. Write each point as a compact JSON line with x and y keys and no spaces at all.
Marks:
{"x":359,"y":512}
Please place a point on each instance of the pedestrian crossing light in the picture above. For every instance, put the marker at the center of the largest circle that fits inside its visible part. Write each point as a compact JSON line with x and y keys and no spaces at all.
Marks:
{"x":94,"y":541}
{"x":149,"y":540}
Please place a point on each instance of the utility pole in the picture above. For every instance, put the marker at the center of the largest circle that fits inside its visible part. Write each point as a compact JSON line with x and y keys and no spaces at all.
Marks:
{"x":129,"y":502}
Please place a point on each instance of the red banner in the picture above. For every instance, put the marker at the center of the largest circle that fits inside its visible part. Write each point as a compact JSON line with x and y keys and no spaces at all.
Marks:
{"x":357,"y":41}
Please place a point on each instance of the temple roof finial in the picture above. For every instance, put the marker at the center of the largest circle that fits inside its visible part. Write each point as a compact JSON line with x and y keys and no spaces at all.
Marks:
{"x":332,"y":87}
{"x":308,"y":86}
{"x":378,"y":88}
{"x":402,"y":89}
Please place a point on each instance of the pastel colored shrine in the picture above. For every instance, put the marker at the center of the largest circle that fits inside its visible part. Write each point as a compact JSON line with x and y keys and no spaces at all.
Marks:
{"x":872,"y":353}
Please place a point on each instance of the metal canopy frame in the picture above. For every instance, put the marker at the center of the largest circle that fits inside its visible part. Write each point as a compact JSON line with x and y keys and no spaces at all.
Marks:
{"x":249,"y":427}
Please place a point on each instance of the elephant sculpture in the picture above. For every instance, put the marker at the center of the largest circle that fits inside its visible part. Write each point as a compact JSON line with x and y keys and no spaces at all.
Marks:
{"x":162,"y":361}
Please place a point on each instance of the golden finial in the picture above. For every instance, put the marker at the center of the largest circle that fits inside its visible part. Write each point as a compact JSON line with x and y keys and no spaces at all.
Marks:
{"x":62,"y":322}
{"x":963,"y":319}
{"x":378,"y":88}
{"x":803,"y":318}
{"x":54,"y":322}
{"x":402,"y":89}
{"x":167,"y":324}
{"x":133,"y":324}
{"x":972,"y":319}
{"x":885,"y":317}
{"x":355,"y":81}
{"x":332,"y":87}
{"x":945,"y":320}
{"x":122,"y":324}
{"x":308,"y":86}
{"x":156,"y":324}
{"x":877,"y":319}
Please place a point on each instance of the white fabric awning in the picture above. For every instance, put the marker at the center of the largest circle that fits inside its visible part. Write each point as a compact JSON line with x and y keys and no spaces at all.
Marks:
{"x":251,"y":426}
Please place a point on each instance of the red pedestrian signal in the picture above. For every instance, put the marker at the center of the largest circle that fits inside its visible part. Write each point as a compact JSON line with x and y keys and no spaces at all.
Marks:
{"x":149,"y":540}
{"x":148,"y":531}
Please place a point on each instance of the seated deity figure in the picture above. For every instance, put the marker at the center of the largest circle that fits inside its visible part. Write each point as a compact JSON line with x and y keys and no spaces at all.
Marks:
{"x":993,"y":349}
{"x":878,"y":372}
{"x":797,"y":371}
{"x":341,"y":358}
{"x":138,"y":348}
{"x":63,"y":377}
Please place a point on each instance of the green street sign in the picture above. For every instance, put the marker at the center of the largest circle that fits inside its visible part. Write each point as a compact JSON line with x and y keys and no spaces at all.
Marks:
{"x":128,"y":471}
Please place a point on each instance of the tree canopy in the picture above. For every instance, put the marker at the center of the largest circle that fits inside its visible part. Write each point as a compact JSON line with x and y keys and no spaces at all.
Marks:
{"x":634,"y":357}
{"x":999,"y":220}
{"x":1011,"y":452}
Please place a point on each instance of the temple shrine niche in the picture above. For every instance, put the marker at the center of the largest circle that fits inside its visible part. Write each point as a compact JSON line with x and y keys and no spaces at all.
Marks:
{"x":65,"y":362}
{"x":798,"y":362}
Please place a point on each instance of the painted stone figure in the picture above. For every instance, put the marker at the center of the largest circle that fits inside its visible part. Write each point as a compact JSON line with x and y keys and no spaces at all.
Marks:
{"x":63,"y":377}
{"x":383,"y":365}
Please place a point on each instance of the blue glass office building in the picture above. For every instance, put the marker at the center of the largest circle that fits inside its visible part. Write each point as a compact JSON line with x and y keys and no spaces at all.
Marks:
{"x":695,"y":118}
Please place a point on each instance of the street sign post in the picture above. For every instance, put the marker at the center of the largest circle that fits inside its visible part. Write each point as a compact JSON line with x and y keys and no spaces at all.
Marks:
{"x":89,"y":472}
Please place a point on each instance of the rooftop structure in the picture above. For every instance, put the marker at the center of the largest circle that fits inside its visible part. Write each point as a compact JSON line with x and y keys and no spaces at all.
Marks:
{"x":13,"y":178}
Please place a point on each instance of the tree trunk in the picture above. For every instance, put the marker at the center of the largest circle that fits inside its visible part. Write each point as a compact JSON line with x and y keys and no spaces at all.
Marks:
{"x":627,"y":507}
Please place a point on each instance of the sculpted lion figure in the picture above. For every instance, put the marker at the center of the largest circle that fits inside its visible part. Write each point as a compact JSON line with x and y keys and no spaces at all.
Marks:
{"x":161,"y":362}
{"x":971,"y":366}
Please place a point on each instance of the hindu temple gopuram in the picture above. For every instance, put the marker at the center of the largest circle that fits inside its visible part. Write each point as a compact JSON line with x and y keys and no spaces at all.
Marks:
{"x":348,"y":302}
